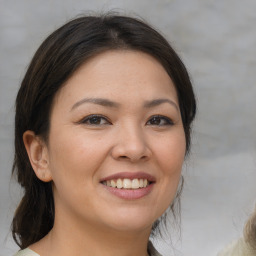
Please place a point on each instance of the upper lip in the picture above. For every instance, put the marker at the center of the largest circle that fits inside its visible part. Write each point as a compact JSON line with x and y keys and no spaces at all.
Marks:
{"x":129,"y":175}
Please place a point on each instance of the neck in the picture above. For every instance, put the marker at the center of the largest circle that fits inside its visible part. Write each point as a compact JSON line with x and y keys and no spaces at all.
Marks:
{"x":88,"y":239}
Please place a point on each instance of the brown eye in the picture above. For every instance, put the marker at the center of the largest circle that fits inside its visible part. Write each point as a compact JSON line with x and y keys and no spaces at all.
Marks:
{"x":95,"y":120}
{"x":159,"y":121}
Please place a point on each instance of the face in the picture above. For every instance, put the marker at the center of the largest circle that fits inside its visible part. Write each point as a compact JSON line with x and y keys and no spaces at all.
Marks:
{"x":116,"y":143}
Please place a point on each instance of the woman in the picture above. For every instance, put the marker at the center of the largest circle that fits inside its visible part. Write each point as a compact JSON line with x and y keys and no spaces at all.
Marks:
{"x":245,"y":246}
{"x":102,"y":126}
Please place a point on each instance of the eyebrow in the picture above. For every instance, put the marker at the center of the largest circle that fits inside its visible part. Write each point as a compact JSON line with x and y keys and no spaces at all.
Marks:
{"x":157,"y":102}
{"x":97,"y":101}
{"x":107,"y":103}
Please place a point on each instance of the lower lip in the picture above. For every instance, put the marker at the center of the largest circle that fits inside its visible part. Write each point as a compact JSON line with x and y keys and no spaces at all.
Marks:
{"x":130,"y":194}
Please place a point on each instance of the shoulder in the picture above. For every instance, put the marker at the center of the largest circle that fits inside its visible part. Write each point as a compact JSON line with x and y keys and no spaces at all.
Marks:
{"x":26,"y":252}
{"x":238,"y":248}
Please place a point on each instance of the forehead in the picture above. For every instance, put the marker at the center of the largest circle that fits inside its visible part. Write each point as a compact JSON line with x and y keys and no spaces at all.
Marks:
{"x":117,"y":73}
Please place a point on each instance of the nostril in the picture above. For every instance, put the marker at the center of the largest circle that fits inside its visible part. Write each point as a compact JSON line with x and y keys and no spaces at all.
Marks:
{"x":133,"y":158}
{"x":130,"y":151}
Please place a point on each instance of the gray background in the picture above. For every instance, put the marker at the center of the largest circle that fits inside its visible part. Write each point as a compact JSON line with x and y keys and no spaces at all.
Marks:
{"x":217,"y":42}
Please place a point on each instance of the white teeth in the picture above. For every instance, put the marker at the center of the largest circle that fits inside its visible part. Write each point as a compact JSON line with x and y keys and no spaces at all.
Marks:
{"x":112,"y":183}
{"x":127,"y":183}
{"x":119,"y":183}
{"x":141,"y":183}
{"x":135,"y":183}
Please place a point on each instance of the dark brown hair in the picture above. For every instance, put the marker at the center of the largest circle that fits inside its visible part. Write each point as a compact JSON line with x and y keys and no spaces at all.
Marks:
{"x":58,"y":57}
{"x":250,"y":231}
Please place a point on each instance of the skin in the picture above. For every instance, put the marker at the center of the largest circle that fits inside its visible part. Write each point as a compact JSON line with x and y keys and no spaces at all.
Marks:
{"x":81,"y":151}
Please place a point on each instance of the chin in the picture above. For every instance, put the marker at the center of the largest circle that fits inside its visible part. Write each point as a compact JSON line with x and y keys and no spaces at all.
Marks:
{"x":132,"y":226}
{"x":132,"y":220}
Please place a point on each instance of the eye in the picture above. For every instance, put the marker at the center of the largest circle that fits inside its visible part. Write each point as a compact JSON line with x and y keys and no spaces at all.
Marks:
{"x":159,"y":121}
{"x":95,"y":120}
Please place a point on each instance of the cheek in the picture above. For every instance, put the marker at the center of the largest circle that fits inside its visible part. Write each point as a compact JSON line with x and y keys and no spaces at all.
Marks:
{"x":74,"y":162}
{"x":75,"y":158}
{"x":171,"y":153}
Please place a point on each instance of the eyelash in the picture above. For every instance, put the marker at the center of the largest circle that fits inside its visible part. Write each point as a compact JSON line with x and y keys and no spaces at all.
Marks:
{"x":98,"y":118}
{"x":167,"y":121}
{"x":90,"y":118}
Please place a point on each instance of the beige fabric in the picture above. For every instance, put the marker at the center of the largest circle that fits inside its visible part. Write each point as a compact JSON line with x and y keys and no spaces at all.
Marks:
{"x":238,"y":248}
{"x":27,"y":252}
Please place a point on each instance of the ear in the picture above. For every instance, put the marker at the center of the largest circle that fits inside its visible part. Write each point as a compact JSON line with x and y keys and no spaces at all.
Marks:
{"x":38,"y":155}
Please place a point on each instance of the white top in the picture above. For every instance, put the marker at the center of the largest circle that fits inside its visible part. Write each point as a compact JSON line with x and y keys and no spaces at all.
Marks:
{"x":29,"y":252}
{"x":238,"y":248}
{"x":26,"y":252}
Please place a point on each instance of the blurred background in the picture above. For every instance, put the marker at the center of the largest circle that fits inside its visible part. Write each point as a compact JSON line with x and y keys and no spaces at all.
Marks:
{"x":217,"y":42}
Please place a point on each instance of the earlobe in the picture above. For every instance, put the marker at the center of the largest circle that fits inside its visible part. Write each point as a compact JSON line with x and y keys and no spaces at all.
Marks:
{"x":38,"y":155}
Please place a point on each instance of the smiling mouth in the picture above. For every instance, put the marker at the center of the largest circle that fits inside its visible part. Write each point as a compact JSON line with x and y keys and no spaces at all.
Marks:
{"x":127,"y":183}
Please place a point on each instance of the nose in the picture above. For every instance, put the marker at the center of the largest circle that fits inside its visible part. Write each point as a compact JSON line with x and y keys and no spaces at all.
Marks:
{"x":131,"y":144}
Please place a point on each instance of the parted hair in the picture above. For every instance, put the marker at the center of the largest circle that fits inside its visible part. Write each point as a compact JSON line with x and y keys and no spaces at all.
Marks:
{"x":58,"y":57}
